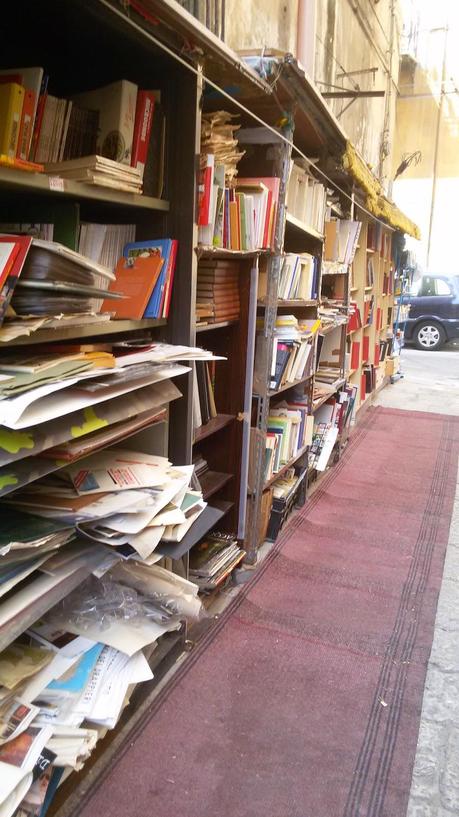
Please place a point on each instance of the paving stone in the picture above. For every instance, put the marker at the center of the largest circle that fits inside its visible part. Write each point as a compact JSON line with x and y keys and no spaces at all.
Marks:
{"x":425,"y":808}
{"x":448,"y":605}
{"x":429,"y":762}
{"x":441,"y":697}
{"x":449,"y":777}
{"x":451,"y":567}
{"x":445,"y":651}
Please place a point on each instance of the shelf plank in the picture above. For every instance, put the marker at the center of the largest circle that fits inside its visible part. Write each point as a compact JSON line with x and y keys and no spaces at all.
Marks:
{"x":12,"y":179}
{"x":291,"y":303}
{"x":290,"y":385}
{"x":299,"y":227}
{"x":326,"y":330}
{"x":212,"y":427}
{"x":204,"y":523}
{"x":207,"y":327}
{"x":89,"y":330}
{"x":213,"y":481}
{"x":204,"y":251}
{"x":285,"y":467}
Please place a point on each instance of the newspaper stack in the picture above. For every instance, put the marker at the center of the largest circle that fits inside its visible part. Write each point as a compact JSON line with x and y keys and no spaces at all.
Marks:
{"x":217,"y":137}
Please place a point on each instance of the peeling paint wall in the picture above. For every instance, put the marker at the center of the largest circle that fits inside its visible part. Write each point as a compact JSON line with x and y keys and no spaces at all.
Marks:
{"x":353,"y":36}
{"x":258,"y":23}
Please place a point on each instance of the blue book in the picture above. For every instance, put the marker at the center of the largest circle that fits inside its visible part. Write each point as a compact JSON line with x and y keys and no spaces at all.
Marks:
{"x":164,"y":245}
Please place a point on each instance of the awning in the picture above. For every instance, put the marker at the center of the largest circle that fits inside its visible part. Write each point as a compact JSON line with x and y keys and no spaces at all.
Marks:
{"x":376,"y":202}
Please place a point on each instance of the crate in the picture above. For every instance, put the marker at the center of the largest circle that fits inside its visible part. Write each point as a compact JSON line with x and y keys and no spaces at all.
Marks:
{"x":283,"y":507}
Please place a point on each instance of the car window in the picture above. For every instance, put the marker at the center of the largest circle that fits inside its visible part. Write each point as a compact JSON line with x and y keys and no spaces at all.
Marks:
{"x":442,"y":287}
{"x":429,"y":286}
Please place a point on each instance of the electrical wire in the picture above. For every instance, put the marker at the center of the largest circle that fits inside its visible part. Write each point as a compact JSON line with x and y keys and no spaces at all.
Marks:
{"x":198,"y":73}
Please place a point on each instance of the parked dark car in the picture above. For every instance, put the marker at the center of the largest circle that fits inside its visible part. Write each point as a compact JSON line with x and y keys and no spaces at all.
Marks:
{"x":433,"y":317}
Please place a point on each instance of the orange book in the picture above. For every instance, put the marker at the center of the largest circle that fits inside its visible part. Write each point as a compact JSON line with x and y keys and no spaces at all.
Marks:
{"x":26,"y":126}
{"x":136,"y":279}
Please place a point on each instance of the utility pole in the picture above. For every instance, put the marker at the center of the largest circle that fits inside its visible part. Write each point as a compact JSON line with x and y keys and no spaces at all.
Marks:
{"x":436,"y":147}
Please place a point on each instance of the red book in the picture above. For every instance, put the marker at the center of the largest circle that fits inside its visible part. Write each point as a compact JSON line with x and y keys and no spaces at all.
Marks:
{"x":142,"y":128}
{"x":377,"y":353}
{"x":355,"y":321}
{"x":170,"y":279}
{"x":366,"y":348}
{"x":26,"y":126}
{"x":355,"y":354}
{"x":23,"y":243}
{"x":205,"y":191}
{"x":7,"y":256}
{"x":37,"y":126}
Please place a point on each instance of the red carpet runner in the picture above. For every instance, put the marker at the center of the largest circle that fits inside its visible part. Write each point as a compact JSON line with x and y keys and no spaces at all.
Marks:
{"x":307,"y":704}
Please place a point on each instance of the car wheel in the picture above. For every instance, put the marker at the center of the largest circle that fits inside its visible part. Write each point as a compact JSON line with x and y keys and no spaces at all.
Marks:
{"x":429,"y":336}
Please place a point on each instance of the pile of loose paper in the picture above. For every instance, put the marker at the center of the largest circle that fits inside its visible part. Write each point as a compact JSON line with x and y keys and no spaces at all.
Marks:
{"x":67,"y":680}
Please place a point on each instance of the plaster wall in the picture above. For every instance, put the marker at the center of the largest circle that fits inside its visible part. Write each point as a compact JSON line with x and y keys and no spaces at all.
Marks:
{"x":258,"y":23}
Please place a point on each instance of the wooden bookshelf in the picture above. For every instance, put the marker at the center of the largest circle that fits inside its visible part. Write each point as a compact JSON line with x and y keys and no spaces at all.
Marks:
{"x":213,"y":481}
{"x":290,"y":385}
{"x":214,"y":425}
{"x":285,"y":467}
{"x":298,"y":227}
{"x":209,"y":327}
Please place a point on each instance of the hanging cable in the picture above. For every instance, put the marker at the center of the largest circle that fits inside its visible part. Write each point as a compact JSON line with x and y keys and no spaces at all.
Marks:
{"x":242,"y":107}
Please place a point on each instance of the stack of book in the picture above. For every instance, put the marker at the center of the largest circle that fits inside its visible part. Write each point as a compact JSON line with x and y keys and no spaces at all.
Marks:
{"x":341,"y":239}
{"x":119,"y":122}
{"x":239,"y":217}
{"x":144,"y":275}
{"x":289,"y":431}
{"x":368,"y":380}
{"x":292,"y":352}
{"x":98,"y":170}
{"x":204,"y":408}
{"x":306,"y":198}
{"x":213,"y":560}
{"x":217,"y":297}
{"x":299,"y":277}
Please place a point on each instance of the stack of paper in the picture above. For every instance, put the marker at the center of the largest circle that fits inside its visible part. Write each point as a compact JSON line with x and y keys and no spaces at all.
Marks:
{"x":64,"y":280}
{"x":212,"y":561}
{"x":121,"y":498}
{"x":218,"y":139}
{"x":98,"y":170}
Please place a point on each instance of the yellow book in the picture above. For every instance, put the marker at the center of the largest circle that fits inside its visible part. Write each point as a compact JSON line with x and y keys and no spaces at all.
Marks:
{"x":11,"y":101}
{"x":234,"y":225}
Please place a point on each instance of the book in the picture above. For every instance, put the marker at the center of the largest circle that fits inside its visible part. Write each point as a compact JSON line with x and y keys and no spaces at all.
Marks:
{"x":31,"y":79}
{"x":116,"y":104}
{"x":26,"y":126}
{"x":142,"y":129}
{"x":167,"y":249}
{"x":11,"y":102}
{"x":23,"y":244}
{"x":136,"y":279}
